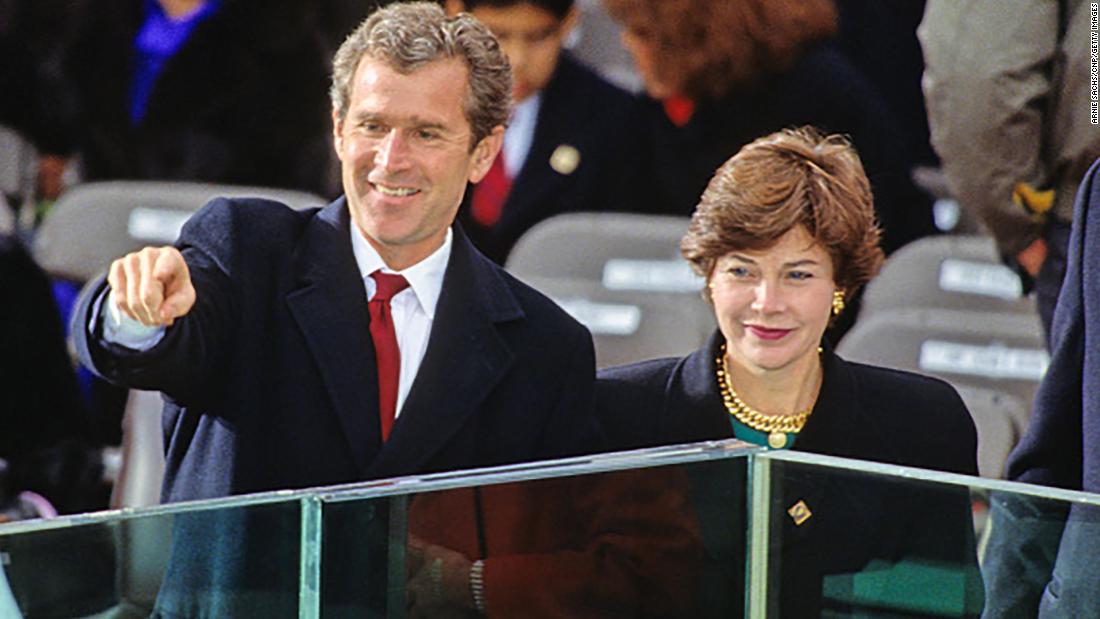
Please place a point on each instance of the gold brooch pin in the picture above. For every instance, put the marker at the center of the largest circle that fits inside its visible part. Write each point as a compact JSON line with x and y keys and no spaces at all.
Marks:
{"x":800,"y":513}
{"x":565,"y":159}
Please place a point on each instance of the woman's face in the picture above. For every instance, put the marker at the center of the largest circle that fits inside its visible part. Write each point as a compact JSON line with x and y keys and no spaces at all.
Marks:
{"x":773,"y":305}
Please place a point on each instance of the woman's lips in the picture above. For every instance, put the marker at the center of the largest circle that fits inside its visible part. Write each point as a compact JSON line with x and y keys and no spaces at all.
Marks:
{"x":765,"y":333}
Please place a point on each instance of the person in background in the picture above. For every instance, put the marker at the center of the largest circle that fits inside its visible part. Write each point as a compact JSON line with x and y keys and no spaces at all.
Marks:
{"x":44,"y":432}
{"x":1043,"y":556}
{"x":1007,"y":90}
{"x":573,"y":140}
{"x":784,"y":234}
{"x":220,"y":91}
{"x":721,"y":74}
{"x":881,"y":41}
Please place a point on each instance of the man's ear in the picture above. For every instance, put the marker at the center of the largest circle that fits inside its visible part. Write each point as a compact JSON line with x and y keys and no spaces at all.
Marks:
{"x":337,"y":134}
{"x":454,"y":7}
{"x":485,"y":152}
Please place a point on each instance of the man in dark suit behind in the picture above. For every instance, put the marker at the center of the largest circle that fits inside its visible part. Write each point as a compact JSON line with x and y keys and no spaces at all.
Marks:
{"x":258,"y":330}
{"x":574,"y":140}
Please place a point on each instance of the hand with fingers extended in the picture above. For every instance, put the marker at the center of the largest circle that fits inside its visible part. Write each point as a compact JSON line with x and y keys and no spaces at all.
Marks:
{"x":152,"y":286}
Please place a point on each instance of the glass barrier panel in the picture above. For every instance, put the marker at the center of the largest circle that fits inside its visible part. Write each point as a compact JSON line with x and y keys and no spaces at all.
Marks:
{"x":660,"y":534}
{"x":221,"y":559}
{"x":843,"y":538}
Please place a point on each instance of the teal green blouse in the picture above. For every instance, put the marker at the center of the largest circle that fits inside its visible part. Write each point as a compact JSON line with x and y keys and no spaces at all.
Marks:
{"x":757,"y":437}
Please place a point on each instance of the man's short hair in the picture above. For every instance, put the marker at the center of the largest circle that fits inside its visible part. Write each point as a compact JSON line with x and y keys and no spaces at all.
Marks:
{"x":557,"y":8}
{"x":407,"y":36}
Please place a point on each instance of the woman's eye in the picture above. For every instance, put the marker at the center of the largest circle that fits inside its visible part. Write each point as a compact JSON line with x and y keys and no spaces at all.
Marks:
{"x":800,"y":275}
{"x":738,"y":271}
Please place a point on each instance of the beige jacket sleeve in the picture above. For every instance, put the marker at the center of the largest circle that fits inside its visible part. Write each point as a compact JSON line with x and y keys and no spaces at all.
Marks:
{"x":991,"y":68}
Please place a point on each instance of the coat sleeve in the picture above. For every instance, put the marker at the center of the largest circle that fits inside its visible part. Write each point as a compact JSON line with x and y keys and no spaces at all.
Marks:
{"x":1050,"y":452}
{"x":186,"y":362}
{"x":987,"y":84}
{"x":1026,"y":533}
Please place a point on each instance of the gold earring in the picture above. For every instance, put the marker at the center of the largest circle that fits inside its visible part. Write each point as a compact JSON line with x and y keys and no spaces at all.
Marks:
{"x":838,"y":302}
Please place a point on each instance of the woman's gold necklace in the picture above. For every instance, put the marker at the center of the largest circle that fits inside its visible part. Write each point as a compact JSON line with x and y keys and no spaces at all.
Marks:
{"x":776,"y":426}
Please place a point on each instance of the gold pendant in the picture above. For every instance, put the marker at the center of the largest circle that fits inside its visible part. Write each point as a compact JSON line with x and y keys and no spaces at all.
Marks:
{"x":777,"y":440}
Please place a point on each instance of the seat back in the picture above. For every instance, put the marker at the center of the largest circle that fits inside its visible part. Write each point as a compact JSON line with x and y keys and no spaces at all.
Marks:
{"x":581,"y":246}
{"x":93,"y":223}
{"x":1001,"y":352}
{"x":142,"y":544}
{"x":629,"y":326}
{"x":1000,"y":419}
{"x":138,"y":483}
{"x":622,"y":276}
{"x":949,"y":272}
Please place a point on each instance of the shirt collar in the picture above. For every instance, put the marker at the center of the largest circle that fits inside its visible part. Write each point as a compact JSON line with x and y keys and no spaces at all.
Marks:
{"x":425,"y":277}
{"x":521,"y":133}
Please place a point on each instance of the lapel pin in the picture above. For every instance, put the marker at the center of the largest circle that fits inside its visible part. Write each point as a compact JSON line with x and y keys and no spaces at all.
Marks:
{"x":800,"y":513}
{"x":565,"y":159}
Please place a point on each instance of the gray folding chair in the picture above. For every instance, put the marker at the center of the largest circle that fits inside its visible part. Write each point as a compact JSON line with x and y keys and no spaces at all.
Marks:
{"x":622,"y":276}
{"x":138,"y":483}
{"x":1000,"y":419}
{"x":93,"y":223}
{"x":580,"y":246}
{"x":629,"y":326}
{"x":949,"y":272}
{"x":1001,"y":352}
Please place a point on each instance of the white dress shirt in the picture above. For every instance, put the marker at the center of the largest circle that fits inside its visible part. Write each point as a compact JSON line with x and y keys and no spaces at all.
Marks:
{"x":413,"y":309}
{"x":520,"y":134}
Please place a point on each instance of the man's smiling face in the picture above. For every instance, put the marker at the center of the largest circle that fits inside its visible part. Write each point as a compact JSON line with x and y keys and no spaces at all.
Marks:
{"x":405,"y":155}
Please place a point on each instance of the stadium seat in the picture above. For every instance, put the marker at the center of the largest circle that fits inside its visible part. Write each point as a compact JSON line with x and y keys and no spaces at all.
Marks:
{"x":1000,"y":419}
{"x":623,"y":277}
{"x":949,"y":272}
{"x":628,"y":325}
{"x":138,"y":483}
{"x":93,"y":223}
{"x":643,"y":251}
{"x":998,"y":351}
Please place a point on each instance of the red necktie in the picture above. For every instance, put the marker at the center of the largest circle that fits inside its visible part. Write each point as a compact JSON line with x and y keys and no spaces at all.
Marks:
{"x":490,"y":194}
{"x":386,"y":352}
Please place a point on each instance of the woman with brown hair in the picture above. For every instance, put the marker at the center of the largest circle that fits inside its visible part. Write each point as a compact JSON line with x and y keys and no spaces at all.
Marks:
{"x":784,"y":234}
{"x":721,"y":74}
